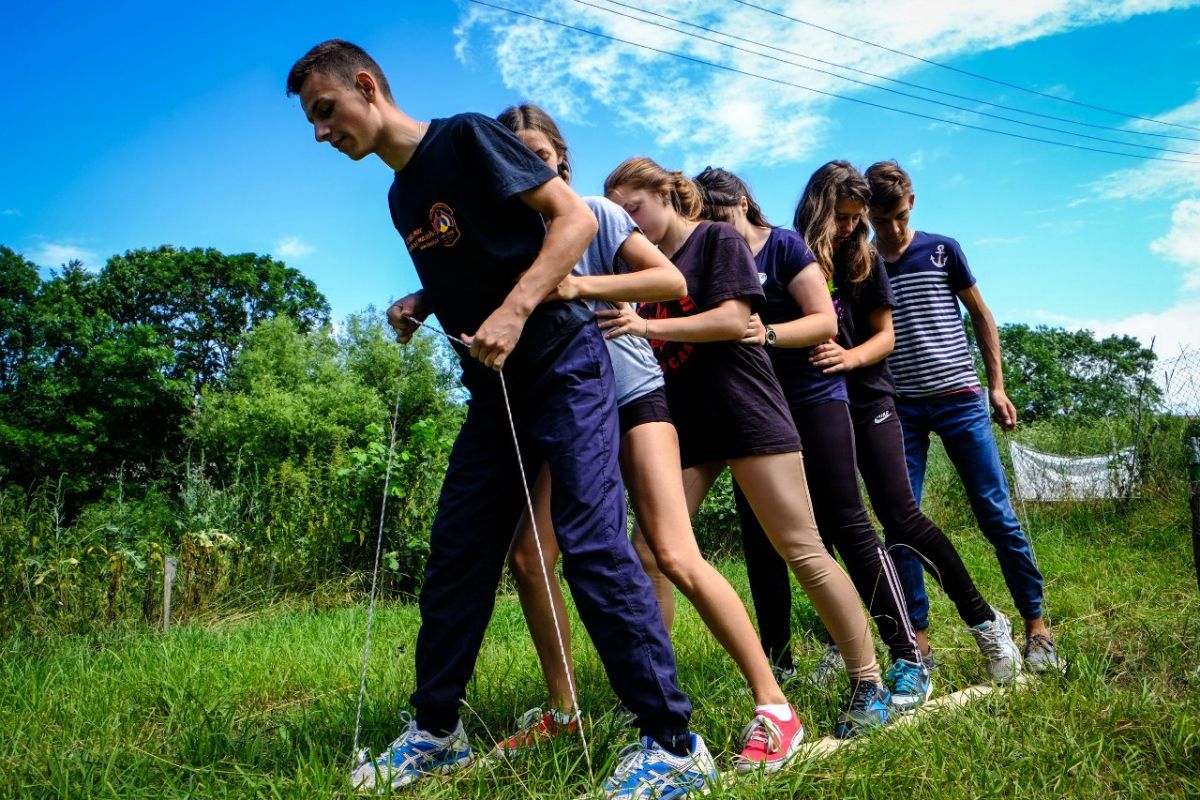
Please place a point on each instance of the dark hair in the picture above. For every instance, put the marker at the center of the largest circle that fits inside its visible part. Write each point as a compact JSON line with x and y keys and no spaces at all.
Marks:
{"x":721,"y":190}
{"x":889,"y":184}
{"x":640,"y":172}
{"x":341,"y":61}
{"x":528,"y":117}
{"x":815,"y":219}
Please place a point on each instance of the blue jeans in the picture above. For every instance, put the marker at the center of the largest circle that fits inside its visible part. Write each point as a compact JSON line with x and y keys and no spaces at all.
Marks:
{"x":962,"y":422}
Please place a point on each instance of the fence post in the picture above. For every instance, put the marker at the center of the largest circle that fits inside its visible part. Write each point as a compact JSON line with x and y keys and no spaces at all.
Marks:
{"x":169,"y":566}
{"x":1194,"y":477}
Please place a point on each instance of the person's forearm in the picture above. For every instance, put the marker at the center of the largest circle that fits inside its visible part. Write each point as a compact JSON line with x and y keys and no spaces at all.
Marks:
{"x":567,"y":236}
{"x":873,"y":350}
{"x":648,"y":285}
{"x":720,"y":324}
{"x":988,"y":338}
{"x":806,"y":331}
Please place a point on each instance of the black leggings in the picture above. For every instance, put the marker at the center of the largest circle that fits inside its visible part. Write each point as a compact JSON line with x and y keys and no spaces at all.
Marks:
{"x":828,"y":438}
{"x":880,"y":449}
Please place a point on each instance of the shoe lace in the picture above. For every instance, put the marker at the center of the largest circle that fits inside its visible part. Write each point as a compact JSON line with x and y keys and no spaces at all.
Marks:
{"x":404,"y":746}
{"x":861,"y":696}
{"x":907,"y":677}
{"x":530,"y":718}
{"x":992,"y":641}
{"x":631,"y":759}
{"x":763,"y":730}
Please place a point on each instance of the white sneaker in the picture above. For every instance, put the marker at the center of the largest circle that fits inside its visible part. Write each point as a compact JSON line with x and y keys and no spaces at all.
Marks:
{"x":415,"y":754}
{"x":996,"y":643}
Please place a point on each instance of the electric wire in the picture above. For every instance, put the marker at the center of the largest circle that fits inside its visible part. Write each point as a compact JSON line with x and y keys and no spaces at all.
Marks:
{"x":877,"y":76}
{"x":859,"y":101}
{"x":961,"y":71}
{"x":884,"y":88}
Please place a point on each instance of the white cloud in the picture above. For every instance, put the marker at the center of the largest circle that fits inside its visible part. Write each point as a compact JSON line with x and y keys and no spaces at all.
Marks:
{"x":1172,"y":330}
{"x":53,"y":255}
{"x":11,"y":212}
{"x":292,"y":247}
{"x":1181,"y":243}
{"x":716,"y":116}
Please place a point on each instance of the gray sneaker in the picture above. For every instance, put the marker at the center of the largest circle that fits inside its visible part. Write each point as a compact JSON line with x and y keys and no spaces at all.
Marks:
{"x":996,"y":643}
{"x":829,"y":669}
{"x":1041,"y":655}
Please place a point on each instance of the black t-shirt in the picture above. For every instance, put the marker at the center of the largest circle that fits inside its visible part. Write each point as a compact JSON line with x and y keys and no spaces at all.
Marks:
{"x":725,"y":384}
{"x":854,"y":305}
{"x":780,"y":260}
{"x":456,"y":204}
{"x":717,"y":265}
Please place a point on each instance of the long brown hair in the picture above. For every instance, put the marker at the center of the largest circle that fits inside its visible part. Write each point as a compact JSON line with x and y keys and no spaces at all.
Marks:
{"x":640,"y":172}
{"x":721,"y":190}
{"x":528,"y":117}
{"x":816,"y":214}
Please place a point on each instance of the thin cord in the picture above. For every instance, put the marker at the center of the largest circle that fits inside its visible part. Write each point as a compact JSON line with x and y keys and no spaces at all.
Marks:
{"x":877,"y":76}
{"x":857,"y":100}
{"x":387,"y":481}
{"x":562,"y":649}
{"x":963,"y":71}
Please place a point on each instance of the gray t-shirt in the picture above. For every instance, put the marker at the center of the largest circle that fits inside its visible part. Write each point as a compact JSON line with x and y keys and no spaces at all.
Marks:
{"x":634,"y":367}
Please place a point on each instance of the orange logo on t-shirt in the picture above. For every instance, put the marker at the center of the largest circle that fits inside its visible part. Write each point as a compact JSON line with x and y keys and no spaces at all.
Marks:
{"x":443,"y":229}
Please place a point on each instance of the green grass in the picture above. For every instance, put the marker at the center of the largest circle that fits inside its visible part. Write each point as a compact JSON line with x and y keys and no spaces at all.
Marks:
{"x":262,"y":703}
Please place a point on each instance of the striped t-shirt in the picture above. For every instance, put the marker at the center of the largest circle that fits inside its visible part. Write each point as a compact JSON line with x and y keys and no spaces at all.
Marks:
{"x":931,"y":355}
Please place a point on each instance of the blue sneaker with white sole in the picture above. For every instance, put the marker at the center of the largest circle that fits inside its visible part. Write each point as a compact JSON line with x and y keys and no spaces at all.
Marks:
{"x":909,"y":683}
{"x":870,"y":706}
{"x":414,"y":755}
{"x":646,"y":770}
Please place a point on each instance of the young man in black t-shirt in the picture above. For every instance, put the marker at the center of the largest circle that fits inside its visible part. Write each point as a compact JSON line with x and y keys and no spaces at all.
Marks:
{"x":492,"y":231}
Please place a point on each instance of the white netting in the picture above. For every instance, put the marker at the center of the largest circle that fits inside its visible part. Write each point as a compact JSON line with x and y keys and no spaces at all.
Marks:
{"x":1048,"y":477}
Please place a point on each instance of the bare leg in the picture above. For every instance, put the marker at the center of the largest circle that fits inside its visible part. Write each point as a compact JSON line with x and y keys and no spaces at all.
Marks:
{"x":650,"y":465}
{"x":776,"y":489}
{"x":531,"y":589}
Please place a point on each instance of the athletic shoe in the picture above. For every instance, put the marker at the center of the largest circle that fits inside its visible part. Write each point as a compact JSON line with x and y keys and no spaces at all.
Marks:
{"x":829,"y":669}
{"x":870,"y":706}
{"x":536,"y":726}
{"x":1041,"y":655}
{"x":415,"y":754}
{"x":768,"y":742}
{"x":929,"y":660}
{"x":784,"y":674}
{"x":909,"y":684}
{"x":646,"y":770}
{"x":996,"y":643}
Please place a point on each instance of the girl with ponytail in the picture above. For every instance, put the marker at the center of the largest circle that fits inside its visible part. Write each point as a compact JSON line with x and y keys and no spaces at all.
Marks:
{"x":622,"y":265}
{"x":729,"y":409}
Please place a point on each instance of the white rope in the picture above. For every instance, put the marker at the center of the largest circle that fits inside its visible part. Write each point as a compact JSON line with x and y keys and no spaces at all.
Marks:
{"x":541,"y":561}
{"x":359,"y":755}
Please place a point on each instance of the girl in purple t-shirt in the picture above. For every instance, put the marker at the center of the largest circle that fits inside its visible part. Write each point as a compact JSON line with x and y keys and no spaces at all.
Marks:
{"x":650,"y":468}
{"x":728,"y":407}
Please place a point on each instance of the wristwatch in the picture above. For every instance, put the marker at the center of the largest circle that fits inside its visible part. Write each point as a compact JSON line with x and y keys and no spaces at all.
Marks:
{"x":770,"y":342}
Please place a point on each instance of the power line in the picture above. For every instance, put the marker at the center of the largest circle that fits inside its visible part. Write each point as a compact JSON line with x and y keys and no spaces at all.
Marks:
{"x":963,"y":71}
{"x":794,"y":85}
{"x":909,"y":95}
{"x":877,"y":76}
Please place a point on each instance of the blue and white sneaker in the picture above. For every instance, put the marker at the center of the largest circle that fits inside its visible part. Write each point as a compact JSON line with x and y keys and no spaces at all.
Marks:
{"x":645,"y":770}
{"x":870,"y":706}
{"x":414,"y":754}
{"x":909,"y":683}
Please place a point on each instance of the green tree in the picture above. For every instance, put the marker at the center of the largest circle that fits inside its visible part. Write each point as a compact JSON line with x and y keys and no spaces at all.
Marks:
{"x":88,"y":398}
{"x":1053,"y":372}
{"x":201,"y":301}
{"x":19,"y":282}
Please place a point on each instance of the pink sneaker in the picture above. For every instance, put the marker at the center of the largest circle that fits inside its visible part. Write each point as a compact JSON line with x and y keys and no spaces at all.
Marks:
{"x":536,"y":726}
{"x":768,"y":743}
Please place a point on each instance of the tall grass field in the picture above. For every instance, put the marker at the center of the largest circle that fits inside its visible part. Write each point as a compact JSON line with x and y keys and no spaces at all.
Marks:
{"x":251,"y":700}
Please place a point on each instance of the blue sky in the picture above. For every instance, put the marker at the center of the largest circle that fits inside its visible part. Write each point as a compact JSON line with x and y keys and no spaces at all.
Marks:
{"x":134,"y":124}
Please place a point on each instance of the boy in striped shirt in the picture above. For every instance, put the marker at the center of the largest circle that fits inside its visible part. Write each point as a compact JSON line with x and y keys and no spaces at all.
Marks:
{"x":939,"y":392}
